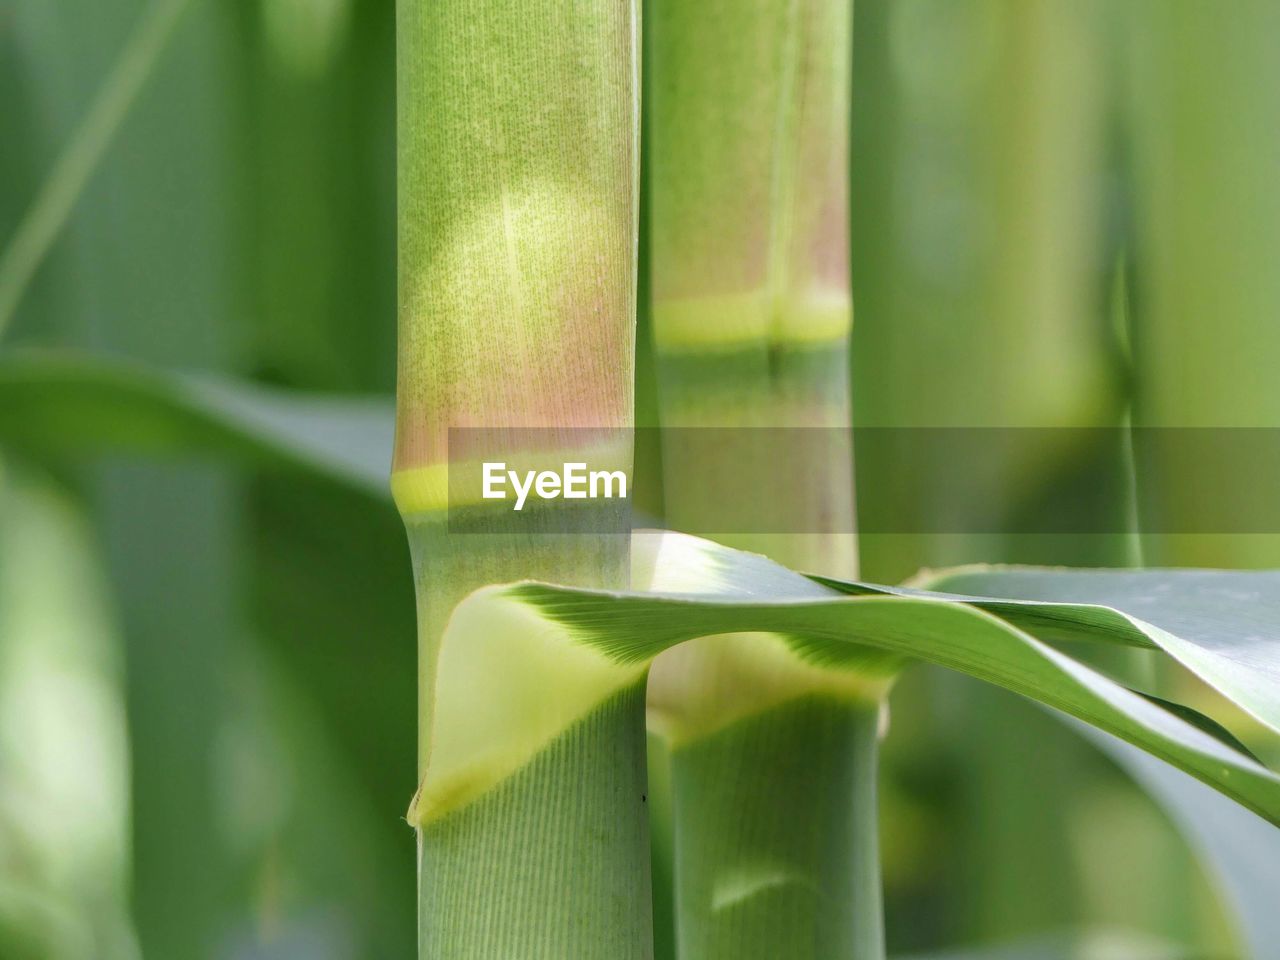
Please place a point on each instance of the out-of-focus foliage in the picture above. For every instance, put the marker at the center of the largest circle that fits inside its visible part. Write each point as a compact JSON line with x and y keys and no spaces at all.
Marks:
{"x":65,"y":405}
{"x":1241,"y":850}
{"x":206,"y":673}
{"x":63,"y":748}
{"x":239,"y":222}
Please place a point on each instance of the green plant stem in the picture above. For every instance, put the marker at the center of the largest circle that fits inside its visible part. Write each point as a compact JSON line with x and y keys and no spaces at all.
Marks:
{"x":553,"y":860}
{"x":805,"y":886}
{"x":551,"y":863}
{"x":516,"y":159}
{"x":751,"y":307}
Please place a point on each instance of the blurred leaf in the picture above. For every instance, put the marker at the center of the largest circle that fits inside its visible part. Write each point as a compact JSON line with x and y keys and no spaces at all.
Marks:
{"x":65,"y":182}
{"x":63,"y":750}
{"x":331,"y":588}
{"x":1088,"y":945}
{"x":157,"y":260}
{"x":1242,"y":850}
{"x":67,"y":403}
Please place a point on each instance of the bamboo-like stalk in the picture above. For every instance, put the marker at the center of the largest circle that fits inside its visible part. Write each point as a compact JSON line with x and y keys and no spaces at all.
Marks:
{"x":517,"y":224}
{"x":987,"y":128}
{"x":1205,"y":150}
{"x":980,"y":264}
{"x":773,"y":761}
{"x":979,"y":257}
{"x":778,"y":850}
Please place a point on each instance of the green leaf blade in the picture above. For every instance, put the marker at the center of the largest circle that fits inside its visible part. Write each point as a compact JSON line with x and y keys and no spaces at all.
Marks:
{"x":1224,"y":626}
{"x":864,"y":632}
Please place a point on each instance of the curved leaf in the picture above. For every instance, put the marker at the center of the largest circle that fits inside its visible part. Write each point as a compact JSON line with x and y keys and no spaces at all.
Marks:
{"x":1222,"y":625}
{"x":699,"y":589}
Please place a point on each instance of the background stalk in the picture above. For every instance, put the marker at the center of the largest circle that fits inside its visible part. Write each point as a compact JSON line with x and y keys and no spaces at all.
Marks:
{"x":1203,"y":154}
{"x":772,"y":760}
{"x":148,"y":250}
{"x":807,"y":887}
{"x":985,"y":241}
{"x":997,"y":322}
{"x":1204,"y":91}
{"x":517,"y":226}
{"x":982,"y":127}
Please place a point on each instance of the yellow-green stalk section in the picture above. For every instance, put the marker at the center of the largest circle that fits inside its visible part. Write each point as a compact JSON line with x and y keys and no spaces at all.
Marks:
{"x":773,"y":758}
{"x":750,"y":284}
{"x":518,"y":192}
{"x":517,"y":166}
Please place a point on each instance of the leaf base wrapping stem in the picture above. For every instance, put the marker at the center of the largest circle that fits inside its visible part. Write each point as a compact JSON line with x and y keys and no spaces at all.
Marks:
{"x":554,"y":863}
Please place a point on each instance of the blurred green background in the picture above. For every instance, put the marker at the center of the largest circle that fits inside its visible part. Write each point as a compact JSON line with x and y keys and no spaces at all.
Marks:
{"x":1063,"y":210}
